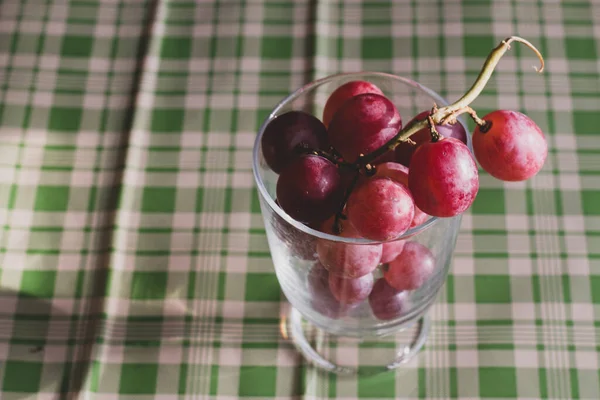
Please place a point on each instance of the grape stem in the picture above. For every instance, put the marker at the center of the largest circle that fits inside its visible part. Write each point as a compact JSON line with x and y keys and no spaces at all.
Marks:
{"x":337,"y":229}
{"x":461,"y":105}
{"x":451,"y":119}
{"x":328,"y":156}
{"x":435,"y":135}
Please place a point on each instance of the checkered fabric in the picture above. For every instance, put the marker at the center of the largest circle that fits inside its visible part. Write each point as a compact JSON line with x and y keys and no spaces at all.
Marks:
{"x":134,"y":263}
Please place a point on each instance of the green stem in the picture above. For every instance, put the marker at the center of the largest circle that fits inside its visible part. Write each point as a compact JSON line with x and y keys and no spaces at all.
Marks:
{"x":451,"y":119}
{"x":461,"y":105}
{"x":486,"y":73}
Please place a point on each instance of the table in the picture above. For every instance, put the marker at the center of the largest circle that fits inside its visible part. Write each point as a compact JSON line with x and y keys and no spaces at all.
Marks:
{"x":133,"y":257}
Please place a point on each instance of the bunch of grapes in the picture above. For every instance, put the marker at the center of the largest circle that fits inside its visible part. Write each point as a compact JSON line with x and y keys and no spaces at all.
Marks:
{"x":358,"y":173}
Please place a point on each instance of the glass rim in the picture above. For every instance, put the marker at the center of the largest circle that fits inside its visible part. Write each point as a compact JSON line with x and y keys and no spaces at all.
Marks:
{"x":294,"y":95}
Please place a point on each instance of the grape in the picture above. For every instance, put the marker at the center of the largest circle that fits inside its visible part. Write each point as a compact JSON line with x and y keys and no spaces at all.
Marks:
{"x":310,"y":188}
{"x":419,"y":218}
{"x":343,"y":228}
{"x":443,"y":177}
{"x":322,"y":299}
{"x":411,"y":268}
{"x":455,"y":130}
{"x":301,"y":244}
{"x":344,"y":259}
{"x":391,"y":250}
{"x":363,"y":124}
{"x":386,"y":302}
{"x":513,"y":149}
{"x":287,"y":132}
{"x":380,"y":209}
{"x":399,"y":173}
{"x":350,"y":290}
{"x":405,"y":150}
{"x":344,"y":93}
{"x":394,"y":171}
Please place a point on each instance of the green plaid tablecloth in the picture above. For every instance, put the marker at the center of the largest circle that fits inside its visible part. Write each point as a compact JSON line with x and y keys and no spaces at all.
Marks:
{"x":134,"y":263}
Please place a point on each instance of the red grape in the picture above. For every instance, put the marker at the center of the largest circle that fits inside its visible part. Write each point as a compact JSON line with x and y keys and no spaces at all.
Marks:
{"x":386,"y":302}
{"x":513,"y":149}
{"x":391,"y":250}
{"x":380,"y":209}
{"x":287,"y":132}
{"x":443,"y":177}
{"x":344,"y":93}
{"x":363,"y":124}
{"x":399,"y":173}
{"x":419,"y":218}
{"x":322,"y":299}
{"x":411,"y":268}
{"x":344,"y":259}
{"x":310,"y":188}
{"x":394,"y":171}
{"x":350,"y":290}
{"x":301,"y":244}
{"x":405,"y":150}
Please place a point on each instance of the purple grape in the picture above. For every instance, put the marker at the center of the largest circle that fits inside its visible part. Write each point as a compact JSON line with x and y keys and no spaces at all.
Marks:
{"x":287,"y":132}
{"x":310,"y":188}
{"x":456,"y":130}
{"x":350,"y":291}
{"x":404,"y":150}
{"x":386,"y":302}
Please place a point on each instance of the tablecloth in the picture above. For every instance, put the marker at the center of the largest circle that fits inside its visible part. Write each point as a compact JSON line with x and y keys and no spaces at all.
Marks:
{"x":134,"y":263}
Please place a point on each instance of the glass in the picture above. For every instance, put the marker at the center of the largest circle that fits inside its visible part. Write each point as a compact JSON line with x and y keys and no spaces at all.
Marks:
{"x":293,"y":247}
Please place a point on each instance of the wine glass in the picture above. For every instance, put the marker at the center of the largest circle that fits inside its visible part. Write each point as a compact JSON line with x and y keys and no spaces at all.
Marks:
{"x":298,"y":250}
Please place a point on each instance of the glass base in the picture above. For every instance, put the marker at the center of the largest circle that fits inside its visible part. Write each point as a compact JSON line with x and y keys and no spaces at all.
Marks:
{"x":353,"y":356}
